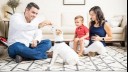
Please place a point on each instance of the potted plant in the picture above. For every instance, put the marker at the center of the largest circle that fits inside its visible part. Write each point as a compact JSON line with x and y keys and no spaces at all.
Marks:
{"x":13,"y":4}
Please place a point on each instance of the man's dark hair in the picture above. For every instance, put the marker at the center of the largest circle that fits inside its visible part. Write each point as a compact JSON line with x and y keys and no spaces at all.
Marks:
{"x":32,"y":4}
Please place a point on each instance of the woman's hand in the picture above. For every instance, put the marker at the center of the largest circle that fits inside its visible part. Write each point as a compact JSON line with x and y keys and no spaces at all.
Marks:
{"x":97,"y":38}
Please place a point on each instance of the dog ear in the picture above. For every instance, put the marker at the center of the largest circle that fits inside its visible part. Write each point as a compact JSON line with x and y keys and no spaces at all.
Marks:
{"x":60,"y":32}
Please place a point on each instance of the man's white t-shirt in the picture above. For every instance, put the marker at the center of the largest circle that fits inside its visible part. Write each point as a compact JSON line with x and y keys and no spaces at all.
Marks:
{"x":23,"y":32}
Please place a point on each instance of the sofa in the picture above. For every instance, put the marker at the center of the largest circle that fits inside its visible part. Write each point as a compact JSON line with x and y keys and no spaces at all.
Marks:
{"x":66,"y":23}
{"x":1,"y":34}
{"x":68,"y":27}
{"x":118,"y":24}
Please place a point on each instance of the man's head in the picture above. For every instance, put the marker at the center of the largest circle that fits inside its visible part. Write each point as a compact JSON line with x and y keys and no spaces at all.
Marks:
{"x":79,"y":20}
{"x":31,"y":11}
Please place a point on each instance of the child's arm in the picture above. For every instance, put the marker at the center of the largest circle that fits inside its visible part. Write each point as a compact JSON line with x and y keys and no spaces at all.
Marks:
{"x":75,"y":36}
{"x":85,"y":36}
{"x":86,"y":30}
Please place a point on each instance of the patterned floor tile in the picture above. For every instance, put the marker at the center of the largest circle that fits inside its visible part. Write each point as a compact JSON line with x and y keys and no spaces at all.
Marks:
{"x":23,"y":66}
{"x":114,"y":60}
{"x":9,"y":66}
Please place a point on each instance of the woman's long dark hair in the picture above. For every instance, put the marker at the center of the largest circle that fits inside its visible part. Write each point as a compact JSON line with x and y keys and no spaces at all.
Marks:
{"x":99,"y":15}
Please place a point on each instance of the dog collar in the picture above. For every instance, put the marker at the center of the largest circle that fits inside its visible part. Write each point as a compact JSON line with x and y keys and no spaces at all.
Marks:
{"x":59,"y":41}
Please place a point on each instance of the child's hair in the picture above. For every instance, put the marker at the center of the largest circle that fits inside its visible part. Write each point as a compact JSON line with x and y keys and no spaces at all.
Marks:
{"x":79,"y":16}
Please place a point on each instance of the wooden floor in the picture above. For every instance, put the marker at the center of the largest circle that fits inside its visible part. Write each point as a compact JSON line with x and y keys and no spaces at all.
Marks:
{"x":114,"y":60}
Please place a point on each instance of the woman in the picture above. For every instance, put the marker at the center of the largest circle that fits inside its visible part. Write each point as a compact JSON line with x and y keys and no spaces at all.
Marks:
{"x":100,"y":31}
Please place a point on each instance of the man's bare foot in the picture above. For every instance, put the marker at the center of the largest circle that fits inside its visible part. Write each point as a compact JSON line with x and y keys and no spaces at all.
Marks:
{"x":50,"y":54}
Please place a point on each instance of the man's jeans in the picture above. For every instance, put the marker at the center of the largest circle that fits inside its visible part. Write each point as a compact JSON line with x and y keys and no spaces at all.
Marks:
{"x":30,"y":53}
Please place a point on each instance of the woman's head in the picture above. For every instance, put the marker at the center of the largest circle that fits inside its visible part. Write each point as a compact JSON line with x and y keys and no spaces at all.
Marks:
{"x":96,"y":14}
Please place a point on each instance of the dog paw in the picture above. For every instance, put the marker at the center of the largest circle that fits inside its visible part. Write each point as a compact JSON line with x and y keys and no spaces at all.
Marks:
{"x":49,"y":66}
{"x":48,"y":69}
{"x":80,"y":63}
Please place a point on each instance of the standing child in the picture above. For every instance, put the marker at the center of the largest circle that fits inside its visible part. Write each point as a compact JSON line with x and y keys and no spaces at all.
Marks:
{"x":81,"y":37}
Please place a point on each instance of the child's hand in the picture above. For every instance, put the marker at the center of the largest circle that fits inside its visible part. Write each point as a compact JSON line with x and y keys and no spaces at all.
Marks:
{"x":81,"y":38}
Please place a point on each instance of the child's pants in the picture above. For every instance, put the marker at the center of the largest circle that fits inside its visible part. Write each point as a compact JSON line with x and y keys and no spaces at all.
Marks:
{"x":86,"y":43}
{"x":97,"y":46}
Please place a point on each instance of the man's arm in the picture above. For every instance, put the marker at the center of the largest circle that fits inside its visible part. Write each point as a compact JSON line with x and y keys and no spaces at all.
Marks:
{"x":37,"y":38}
{"x":38,"y":35}
{"x":44,"y":23}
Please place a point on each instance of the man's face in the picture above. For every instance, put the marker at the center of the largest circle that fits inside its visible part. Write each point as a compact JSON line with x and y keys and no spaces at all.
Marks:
{"x":31,"y":13}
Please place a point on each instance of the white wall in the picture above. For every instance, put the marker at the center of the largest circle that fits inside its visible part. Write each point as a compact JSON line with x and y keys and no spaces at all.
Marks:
{"x":52,"y":9}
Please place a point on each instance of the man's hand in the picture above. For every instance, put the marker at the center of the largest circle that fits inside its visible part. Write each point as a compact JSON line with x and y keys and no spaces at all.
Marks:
{"x":34,"y":43}
{"x":44,"y":23}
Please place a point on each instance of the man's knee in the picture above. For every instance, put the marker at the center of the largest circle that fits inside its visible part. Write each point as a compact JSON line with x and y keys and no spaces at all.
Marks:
{"x":18,"y":45}
{"x":15,"y":45}
{"x":12,"y":50}
{"x":47,"y":42}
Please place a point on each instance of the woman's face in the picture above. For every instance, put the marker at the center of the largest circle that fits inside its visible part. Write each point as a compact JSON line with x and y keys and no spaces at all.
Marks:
{"x":93,"y":15}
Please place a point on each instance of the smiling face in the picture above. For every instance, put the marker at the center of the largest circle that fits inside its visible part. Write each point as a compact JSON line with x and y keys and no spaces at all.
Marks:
{"x":78,"y":22}
{"x":93,"y":15}
{"x":30,"y":14}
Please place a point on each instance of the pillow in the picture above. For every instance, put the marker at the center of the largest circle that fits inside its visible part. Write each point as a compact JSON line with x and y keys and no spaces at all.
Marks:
{"x":115,"y":21}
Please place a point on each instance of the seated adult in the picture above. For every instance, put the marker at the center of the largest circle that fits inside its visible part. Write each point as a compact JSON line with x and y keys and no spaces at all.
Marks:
{"x":25,"y":39}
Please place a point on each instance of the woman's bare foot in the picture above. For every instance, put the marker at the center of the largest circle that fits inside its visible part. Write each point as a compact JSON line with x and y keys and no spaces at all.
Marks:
{"x":80,"y":55}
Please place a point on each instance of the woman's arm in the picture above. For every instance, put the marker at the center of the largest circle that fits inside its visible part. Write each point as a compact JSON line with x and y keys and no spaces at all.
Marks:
{"x":109,"y":34}
{"x":89,"y":24}
{"x":108,"y":31}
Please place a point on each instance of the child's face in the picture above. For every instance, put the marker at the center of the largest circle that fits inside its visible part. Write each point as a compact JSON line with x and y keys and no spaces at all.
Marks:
{"x":78,"y":22}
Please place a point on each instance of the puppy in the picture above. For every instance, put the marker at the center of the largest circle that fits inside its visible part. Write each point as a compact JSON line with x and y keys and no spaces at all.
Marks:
{"x":61,"y":49}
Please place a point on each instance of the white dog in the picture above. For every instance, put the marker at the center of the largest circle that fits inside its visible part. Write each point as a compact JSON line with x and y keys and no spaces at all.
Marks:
{"x":61,"y":49}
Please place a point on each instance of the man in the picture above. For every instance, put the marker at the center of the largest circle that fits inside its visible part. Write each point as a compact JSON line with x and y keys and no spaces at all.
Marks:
{"x":24,"y":37}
